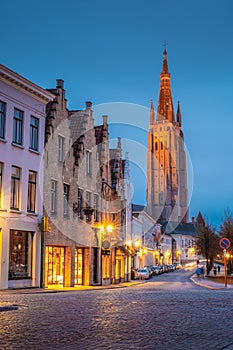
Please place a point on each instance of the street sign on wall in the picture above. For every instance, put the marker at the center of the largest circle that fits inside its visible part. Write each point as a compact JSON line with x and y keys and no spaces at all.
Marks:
{"x":224,"y":243}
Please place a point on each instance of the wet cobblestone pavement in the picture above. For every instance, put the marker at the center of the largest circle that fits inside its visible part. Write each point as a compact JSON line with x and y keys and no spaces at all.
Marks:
{"x":167,"y":312}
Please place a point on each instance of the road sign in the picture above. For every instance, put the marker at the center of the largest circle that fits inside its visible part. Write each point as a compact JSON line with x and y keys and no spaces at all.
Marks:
{"x":224,"y":243}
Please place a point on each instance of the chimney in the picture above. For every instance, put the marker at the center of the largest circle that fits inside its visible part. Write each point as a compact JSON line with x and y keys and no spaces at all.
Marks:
{"x":105,"y":119}
{"x":60,"y":83}
{"x":88,"y":104}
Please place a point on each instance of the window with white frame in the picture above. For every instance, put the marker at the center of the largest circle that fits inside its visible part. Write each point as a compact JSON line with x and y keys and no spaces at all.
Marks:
{"x":1,"y":183}
{"x":34,"y":133}
{"x":18,"y":127}
{"x":2,"y":119}
{"x":31,"y":205}
{"x":88,"y":162}
{"x":60,"y":149}
{"x":88,"y":199}
{"x":53,"y":197}
{"x":88,"y":205}
{"x":65,"y":199}
{"x":15,"y":187}
{"x":80,"y":203}
{"x":96,"y":207}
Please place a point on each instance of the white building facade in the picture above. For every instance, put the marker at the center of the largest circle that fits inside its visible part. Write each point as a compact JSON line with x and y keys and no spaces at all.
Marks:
{"x":142,"y":239}
{"x":22,"y":123}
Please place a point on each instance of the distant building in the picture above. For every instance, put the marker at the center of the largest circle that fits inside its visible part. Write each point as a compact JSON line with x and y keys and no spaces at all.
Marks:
{"x":22,"y":124}
{"x":184,"y":236}
{"x":142,"y":239}
{"x":167,"y":195}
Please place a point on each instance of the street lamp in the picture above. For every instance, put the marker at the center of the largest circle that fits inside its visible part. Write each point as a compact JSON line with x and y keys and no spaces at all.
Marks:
{"x":157,"y":253}
{"x":137,"y":244}
{"x":104,"y":251}
{"x":109,"y":228}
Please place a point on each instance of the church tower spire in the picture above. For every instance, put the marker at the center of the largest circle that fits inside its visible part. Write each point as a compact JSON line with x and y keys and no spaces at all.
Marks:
{"x":167,"y":192}
{"x":165,"y":105}
{"x":178,"y":115}
{"x":152,"y":112}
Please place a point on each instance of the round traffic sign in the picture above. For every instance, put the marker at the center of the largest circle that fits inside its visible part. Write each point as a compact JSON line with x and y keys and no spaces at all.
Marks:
{"x":224,"y":243}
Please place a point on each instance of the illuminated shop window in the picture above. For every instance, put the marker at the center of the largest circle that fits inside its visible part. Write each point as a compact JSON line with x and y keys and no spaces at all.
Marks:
{"x":20,"y":254}
{"x":54,"y":265}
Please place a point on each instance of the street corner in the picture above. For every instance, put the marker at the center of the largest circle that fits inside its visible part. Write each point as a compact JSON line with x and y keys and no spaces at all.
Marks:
{"x":205,"y":283}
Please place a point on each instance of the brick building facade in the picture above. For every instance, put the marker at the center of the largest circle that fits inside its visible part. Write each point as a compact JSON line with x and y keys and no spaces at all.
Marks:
{"x":84,"y":198}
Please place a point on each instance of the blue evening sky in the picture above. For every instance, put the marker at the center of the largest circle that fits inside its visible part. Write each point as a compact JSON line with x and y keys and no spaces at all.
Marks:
{"x":111,"y":51}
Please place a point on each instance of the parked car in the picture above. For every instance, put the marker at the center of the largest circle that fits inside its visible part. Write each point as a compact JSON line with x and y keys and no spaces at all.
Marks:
{"x":143,"y":273}
{"x":161,"y":268}
{"x":178,"y":266}
{"x":151,"y":270}
{"x":166,"y":268}
{"x":157,"y":270}
{"x":171,"y":267}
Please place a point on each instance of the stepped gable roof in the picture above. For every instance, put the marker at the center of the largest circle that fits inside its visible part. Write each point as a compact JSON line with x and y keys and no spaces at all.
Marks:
{"x":77,"y":124}
{"x":182,"y":228}
{"x":99,"y":134}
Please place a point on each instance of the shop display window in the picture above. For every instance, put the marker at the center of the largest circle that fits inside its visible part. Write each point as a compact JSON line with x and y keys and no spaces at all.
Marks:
{"x":20,"y":254}
{"x":55,"y":265}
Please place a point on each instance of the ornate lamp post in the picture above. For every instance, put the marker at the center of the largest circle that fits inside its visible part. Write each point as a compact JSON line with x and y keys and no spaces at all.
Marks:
{"x":104,"y":245}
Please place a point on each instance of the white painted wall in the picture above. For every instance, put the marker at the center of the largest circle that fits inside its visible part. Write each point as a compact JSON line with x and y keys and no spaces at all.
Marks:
{"x":32,"y":100}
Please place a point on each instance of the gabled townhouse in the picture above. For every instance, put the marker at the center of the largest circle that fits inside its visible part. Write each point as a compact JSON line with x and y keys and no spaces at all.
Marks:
{"x":121,"y":253}
{"x":72,"y":186}
{"x":83,"y":200}
{"x":22,"y":124}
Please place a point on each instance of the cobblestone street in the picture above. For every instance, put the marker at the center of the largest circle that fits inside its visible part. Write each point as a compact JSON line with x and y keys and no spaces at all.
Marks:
{"x":166,"y":312}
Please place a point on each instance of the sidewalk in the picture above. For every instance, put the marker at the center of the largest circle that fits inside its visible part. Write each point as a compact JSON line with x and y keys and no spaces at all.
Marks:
{"x":5,"y":306}
{"x":57,"y":288}
{"x":210,"y":284}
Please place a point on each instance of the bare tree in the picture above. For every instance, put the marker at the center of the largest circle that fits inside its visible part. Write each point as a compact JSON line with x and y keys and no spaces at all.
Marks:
{"x":208,"y":244}
{"x":226,"y":230}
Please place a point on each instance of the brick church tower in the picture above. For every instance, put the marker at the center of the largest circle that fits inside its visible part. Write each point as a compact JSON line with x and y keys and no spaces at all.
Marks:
{"x":167,"y":195}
